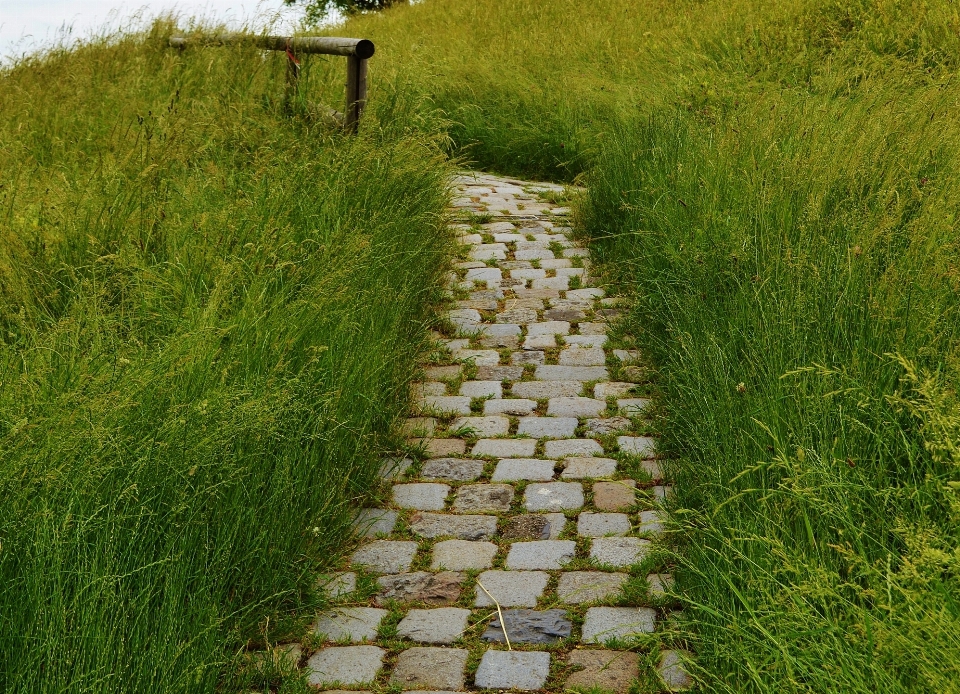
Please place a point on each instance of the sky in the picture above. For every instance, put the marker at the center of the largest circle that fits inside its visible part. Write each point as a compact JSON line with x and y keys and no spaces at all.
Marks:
{"x":28,"y":25}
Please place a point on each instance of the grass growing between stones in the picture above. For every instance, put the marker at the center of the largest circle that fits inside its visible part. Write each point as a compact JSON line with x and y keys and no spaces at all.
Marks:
{"x":198,"y":376}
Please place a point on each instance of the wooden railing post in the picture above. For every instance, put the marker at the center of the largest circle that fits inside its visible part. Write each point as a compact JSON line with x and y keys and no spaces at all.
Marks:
{"x":356,"y":92}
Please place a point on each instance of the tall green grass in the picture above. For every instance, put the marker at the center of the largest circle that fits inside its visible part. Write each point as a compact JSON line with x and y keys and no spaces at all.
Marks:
{"x":209,"y":314}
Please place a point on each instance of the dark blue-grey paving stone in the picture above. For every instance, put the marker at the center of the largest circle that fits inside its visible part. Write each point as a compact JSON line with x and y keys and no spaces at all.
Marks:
{"x":530,"y":626}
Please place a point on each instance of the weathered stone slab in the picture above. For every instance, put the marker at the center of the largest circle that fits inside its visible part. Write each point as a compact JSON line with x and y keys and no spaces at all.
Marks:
{"x":422,"y":496}
{"x":614,"y":496}
{"x":511,"y":406}
{"x":607,"y":425}
{"x":578,"y":587}
{"x":575,"y":407}
{"x":651,"y":523}
{"x":643,"y":446}
{"x":481,"y":253}
{"x":602,"y":524}
{"x":587,"y":341}
{"x":419,"y":426}
{"x":354,"y":624}
{"x":572,"y":448}
{"x":552,"y":327}
{"x":605,"y":623}
{"x":554,"y":264}
{"x":505,"y":448}
{"x":480,"y":357}
{"x":491,"y":498}
{"x":544,"y":390}
{"x":337,"y":584}
{"x":523,"y":670}
{"x":385,"y":556}
{"x":575,"y":355}
{"x":499,"y":330}
{"x":443,"y":625}
{"x":528,"y":357}
{"x":571,"y":315}
{"x":560,"y":283}
{"x":538,"y":254}
{"x":490,"y":275}
{"x":588,"y":467}
{"x":539,"y":342}
{"x":371,"y":522}
{"x":659,"y":585}
{"x":511,"y":588}
{"x":530,"y":626}
{"x":439,"y":448}
{"x":541,"y":554}
{"x":432,"y":525}
{"x":442,"y":373}
{"x":482,"y":389}
{"x":553,"y":496}
{"x":619,"y":551}
{"x":499,"y":373}
{"x":611,"y":671}
{"x":528,"y":274}
{"x":520,"y":316}
{"x":433,"y":589}
{"x":627,"y":356}
{"x":422,"y":390}
{"x":531,"y":526}
{"x":482,"y":426}
{"x":394,"y":468}
{"x":455,"y":469}
{"x":349,"y":665}
{"x":514,"y":469}
{"x":548,"y":427}
{"x":430,"y":668}
{"x":673,"y":672}
{"x":571,"y":373}
{"x":460,"y":555}
{"x":633,"y":406}
{"x":446,"y":404}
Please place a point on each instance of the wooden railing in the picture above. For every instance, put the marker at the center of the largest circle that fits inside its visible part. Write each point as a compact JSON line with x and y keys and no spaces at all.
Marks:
{"x":356,"y":51}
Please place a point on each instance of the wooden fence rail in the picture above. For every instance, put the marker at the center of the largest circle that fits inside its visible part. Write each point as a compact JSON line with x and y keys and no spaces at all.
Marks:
{"x":357,"y":52}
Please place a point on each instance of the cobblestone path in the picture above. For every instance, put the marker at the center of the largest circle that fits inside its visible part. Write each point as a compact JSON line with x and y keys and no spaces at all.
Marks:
{"x":520,"y":553}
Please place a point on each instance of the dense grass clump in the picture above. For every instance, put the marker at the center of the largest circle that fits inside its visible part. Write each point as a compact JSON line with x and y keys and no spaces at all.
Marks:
{"x":209,"y":313}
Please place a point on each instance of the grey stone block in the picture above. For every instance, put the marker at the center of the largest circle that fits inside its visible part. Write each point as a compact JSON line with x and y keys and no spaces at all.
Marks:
{"x":633,"y":406}
{"x":482,"y":426}
{"x":538,"y":342}
{"x":422,"y":390}
{"x":505,"y":448}
{"x":511,"y":406}
{"x":489,"y":275}
{"x":514,"y":469}
{"x":651,"y":523}
{"x":575,"y":407}
{"x":557,"y":522}
{"x":571,"y":373}
{"x":659,"y":585}
{"x":578,"y":587}
{"x":588,"y":467}
{"x":586,"y":294}
{"x":528,"y":274}
{"x":511,"y":588}
{"x":553,"y":496}
{"x":354,"y":624}
{"x":602,"y":524}
{"x":480,"y":357}
{"x":523,"y":670}
{"x":605,"y":623}
{"x":337,"y":584}
{"x":610,"y":671}
{"x":394,"y":468}
{"x":482,"y":389}
{"x":491,"y":498}
{"x":433,"y":589}
{"x":370,"y":522}
{"x":607,"y":425}
{"x":529,"y":626}
{"x":552,"y":327}
{"x":520,"y":316}
{"x":442,"y":373}
{"x":673,"y":672}
{"x":446,"y":404}
{"x":643,"y":446}
{"x":587,"y":341}
{"x":572,"y":447}
{"x":455,"y":469}
{"x":385,"y":556}
{"x":541,"y":554}
{"x":593,"y":328}
{"x":548,"y":427}
{"x":554,"y":264}
{"x":619,"y":551}
{"x":420,"y":426}
{"x":499,"y":373}
{"x":614,"y":496}
{"x":429,"y":668}
{"x":544,"y":390}
{"x":347,"y":666}
{"x":575,"y":355}
{"x":423,"y":496}
{"x":442,"y":625}
{"x":527,"y":357}
{"x":627,"y":356}
{"x":560,"y":283}
{"x":462,"y":527}
{"x":499,"y":330}
{"x":460,"y":555}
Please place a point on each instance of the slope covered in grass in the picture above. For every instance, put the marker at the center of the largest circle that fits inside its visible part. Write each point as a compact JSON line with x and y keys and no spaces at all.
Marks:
{"x":197,"y":373}
{"x":777,"y":182}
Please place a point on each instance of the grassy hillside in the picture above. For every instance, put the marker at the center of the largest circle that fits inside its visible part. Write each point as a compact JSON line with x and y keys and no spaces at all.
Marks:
{"x":777,"y":183}
{"x":197,"y":376}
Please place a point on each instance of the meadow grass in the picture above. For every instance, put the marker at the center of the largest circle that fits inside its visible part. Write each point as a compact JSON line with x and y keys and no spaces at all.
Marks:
{"x":209,"y":316}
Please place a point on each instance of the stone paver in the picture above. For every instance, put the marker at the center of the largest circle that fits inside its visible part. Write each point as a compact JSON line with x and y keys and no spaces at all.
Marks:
{"x":607,"y":425}
{"x":614,"y":496}
{"x":530,"y":626}
{"x":589,"y":586}
{"x":530,"y":469}
{"x":659,"y":584}
{"x":338,"y":584}
{"x":440,"y":448}
{"x":605,"y":623}
{"x":463,"y":527}
{"x":602,"y":524}
{"x":651,"y":523}
{"x":544,"y":390}
{"x":349,"y":665}
{"x":454,"y":469}
{"x":523,"y":670}
{"x":505,"y":448}
{"x":482,"y":426}
{"x":541,"y":554}
{"x":575,"y":355}
{"x":612,"y":671}
{"x":575,"y":407}
{"x":429,"y":668}
{"x":510,"y":406}
{"x":490,"y":498}
{"x":459,"y":555}
{"x":375,"y":521}
{"x":642,"y":446}
{"x":672,"y":671}
{"x":394,"y":468}
{"x":442,"y":625}
{"x":612,"y":389}
{"x":482,"y":389}
{"x":553,"y":496}
{"x":572,"y":447}
{"x":446,"y":404}
{"x":547,"y":427}
{"x":511,"y":588}
{"x":353,"y":624}
{"x":433,"y":589}
{"x":385,"y":556}
{"x":619,"y":551}
{"x":422,"y":496}
{"x":588,"y":467}
{"x":571,"y":373}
